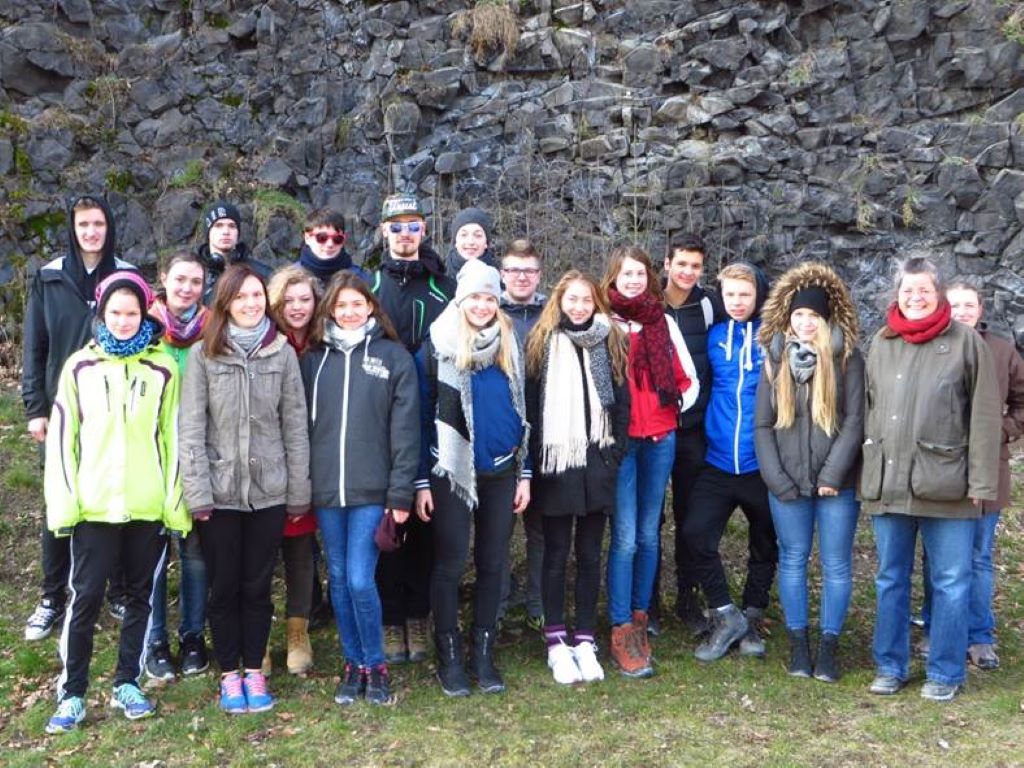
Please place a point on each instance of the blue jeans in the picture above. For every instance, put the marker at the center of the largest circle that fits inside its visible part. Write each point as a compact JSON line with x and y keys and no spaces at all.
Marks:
{"x":982,"y":623}
{"x":948,"y":543}
{"x":835,"y":517}
{"x":191,"y":594}
{"x":351,"y":562}
{"x":633,"y":555}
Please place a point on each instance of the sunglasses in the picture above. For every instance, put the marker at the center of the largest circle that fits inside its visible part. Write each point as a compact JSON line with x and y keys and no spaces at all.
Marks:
{"x":412,"y":227}
{"x":323,"y":237}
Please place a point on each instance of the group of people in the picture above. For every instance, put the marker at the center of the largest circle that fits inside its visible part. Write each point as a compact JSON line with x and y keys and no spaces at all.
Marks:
{"x":239,"y":412}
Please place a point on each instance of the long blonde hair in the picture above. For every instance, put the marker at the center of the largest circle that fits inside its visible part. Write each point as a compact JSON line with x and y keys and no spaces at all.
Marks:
{"x":822,"y":392}
{"x":508,"y":349}
{"x":551,"y":316}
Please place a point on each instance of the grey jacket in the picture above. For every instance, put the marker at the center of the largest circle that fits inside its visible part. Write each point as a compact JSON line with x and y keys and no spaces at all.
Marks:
{"x":932,"y":425}
{"x":243,"y":442}
{"x":797,"y":461}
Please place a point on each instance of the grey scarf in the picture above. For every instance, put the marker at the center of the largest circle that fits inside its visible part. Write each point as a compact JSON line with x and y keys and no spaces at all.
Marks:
{"x":803,"y":360}
{"x":247,"y":340}
{"x":343,"y":339}
{"x":601,"y":369}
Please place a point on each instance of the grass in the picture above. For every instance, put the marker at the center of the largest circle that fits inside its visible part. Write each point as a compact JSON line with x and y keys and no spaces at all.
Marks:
{"x":735,"y":712}
{"x":490,"y":26}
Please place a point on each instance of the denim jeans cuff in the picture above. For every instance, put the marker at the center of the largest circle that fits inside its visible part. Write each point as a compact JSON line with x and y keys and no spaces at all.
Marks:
{"x":947,"y":680}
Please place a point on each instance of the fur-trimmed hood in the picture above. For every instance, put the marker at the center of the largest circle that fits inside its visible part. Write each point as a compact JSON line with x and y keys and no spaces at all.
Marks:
{"x":775,"y":314}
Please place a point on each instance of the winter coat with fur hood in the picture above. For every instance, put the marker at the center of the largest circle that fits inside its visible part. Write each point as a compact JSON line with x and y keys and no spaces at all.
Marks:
{"x":799,"y":459}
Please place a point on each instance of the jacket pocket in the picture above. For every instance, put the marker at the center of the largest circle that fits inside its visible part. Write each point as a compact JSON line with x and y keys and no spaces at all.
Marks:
{"x":271,"y":476}
{"x":222,"y":479}
{"x":872,"y":471}
{"x":939,"y":472}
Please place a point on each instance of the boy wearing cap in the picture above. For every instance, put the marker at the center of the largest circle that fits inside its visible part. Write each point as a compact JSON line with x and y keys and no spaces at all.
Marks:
{"x":323,"y":253}
{"x":61,"y":306}
{"x":471,"y":233}
{"x":222,"y":226}
{"x":413,"y":290}
{"x":113,"y":486}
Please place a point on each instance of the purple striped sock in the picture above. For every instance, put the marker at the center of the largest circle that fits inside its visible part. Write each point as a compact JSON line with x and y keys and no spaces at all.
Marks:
{"x":555,"y":634}
{"x":582,"y":637}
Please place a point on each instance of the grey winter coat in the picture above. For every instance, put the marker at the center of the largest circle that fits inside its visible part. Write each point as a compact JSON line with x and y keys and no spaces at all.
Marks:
{"x":243,"y":442}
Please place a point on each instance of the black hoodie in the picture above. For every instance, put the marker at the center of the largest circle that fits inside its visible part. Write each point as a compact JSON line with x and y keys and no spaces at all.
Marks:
{"x":61,"y":306}
{"x":216,"y":264}
{"x":413,"y":294}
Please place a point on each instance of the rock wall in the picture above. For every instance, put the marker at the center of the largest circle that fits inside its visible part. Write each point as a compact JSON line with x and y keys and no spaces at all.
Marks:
{"x":847,"y":131}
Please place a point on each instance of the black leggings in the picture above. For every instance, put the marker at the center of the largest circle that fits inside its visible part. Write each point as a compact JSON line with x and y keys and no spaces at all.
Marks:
{"x":558,"y":536}
{"x":492,"y":521}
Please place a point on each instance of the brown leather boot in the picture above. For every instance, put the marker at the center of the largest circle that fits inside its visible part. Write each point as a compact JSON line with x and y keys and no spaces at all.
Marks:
{"x":300,"y":652}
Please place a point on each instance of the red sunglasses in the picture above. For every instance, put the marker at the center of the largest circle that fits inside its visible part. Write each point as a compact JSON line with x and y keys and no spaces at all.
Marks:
{"x":323,"y":237}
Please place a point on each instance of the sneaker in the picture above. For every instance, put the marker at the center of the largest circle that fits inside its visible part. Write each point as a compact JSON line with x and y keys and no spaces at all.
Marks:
{"x":159,"y":665}
{"x":70,"y":712}
{"x":130,"y":699}
{"x":983,"y":656}
{"x":395,"y":649}
{"x":586,"y":659}
{"x":116,"y":610}
{"x":232,"y":694}
{"x":42,"y":621}
{"x":194,"y":660}
{"x":626,"y":655}
{"x":934,"y":691}
{"x":886,"y":685}
{"x":352,"y":685}
{"x":729,"y":626}
{"x":562,"y":663}
{"x":257,"y":697}
{"x":378,"y":686}
{"x":534,"y":623}
{"x":416,"y":633}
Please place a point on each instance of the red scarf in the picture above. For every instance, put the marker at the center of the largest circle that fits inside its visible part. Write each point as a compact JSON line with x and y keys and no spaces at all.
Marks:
{"x":652,"y":356}
{"x":919,"y":331}
{"x":299,"y":346}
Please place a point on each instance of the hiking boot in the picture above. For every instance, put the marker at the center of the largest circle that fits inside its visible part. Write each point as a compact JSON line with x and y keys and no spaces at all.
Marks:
{"x":232,"y":695}
{"x":416,"y":633}
{"x":70,"y":712}
{"x":799,"y":653}
{"x":826,"y":665}
{"x":983,"y":656}
{"x":562,"y":663}
{"x":626,"y":654}
{"x":886,"y":685}
{"x":116,"y":609}
{"x":481,"y":661}
{"x":752,"y":644}
{"x":257,"y":697}
{"x":395,"y":649}
{"x":934,"y":691}
{"x":728,"y":626}
{"x":300,"y":652}
{"x":641,"y":635}
{"x":159,"y":665}
{"x":41,"y":623}
{"x":691,"y":612}
{"x":378,"y":686}
{"x":128,"y":697}
{"x":450,"y":670}
{"x":352,"y":685}
{"x":586,"y":659}
{"x":194,"y":660}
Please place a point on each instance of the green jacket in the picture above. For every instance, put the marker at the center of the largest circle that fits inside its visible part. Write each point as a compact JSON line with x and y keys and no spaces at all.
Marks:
{"x":932,"y":425}
{"x":112,"y":442}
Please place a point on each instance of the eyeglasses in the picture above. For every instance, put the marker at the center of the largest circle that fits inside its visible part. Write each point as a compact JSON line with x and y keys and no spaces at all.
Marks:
{"x":522,"y":271}
{"x":323,"y":237}
{"x":412,"y":227}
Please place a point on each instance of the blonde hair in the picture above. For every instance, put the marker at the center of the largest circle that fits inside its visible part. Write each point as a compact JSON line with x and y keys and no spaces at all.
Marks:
{"x":822,"y":392}
{"x":507,"y":346}
{"x":551,"y":316}
{"x":280,"y":282}
{"x":738,"y":272}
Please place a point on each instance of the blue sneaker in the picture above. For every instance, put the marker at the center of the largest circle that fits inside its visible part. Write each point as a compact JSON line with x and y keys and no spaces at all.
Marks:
{"x":70,"y":712}
{"x":232,"y":697}
{"x":128,"y":697}
{"x":257,"y":697}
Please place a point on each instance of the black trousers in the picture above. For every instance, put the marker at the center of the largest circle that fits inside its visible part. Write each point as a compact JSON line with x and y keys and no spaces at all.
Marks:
{"x":299,"y":574}
{"x":716,"y":495}
{"x":240,"y":549}
{"x":403,"y":576}
{"x":95,"y":549}
{"x":492,"y":524}
{"x":558,"y":538}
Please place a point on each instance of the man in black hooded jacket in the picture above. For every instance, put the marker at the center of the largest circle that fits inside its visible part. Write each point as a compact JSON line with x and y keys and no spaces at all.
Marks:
{"x":222,"y":225}
{"x":58,"y":322}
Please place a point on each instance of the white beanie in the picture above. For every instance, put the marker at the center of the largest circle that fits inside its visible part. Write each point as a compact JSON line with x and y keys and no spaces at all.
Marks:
{"x":477,"y":277}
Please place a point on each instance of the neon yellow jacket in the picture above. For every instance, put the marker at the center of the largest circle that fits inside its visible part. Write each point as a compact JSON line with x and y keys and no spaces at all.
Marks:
{"x":112,"y":442}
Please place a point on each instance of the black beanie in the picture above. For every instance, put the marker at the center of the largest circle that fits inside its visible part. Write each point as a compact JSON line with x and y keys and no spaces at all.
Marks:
{"x":811,"y":297}
{"x":221,"y":210}
{"x":473,"y":216}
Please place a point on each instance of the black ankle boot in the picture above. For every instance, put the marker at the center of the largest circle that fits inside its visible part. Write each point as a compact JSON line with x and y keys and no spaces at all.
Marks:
{"x":826,"y":666}
{"x":450,"y":670}
{"x":799,"y":653}
{"x":481,"y":661}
